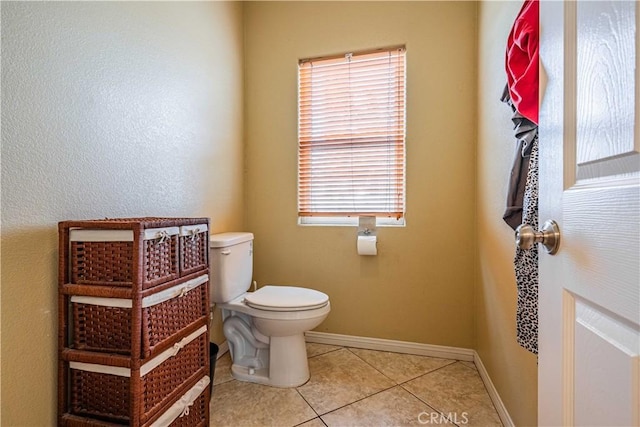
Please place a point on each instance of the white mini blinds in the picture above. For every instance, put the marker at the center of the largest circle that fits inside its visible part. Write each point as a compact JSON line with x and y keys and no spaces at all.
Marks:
{"x":351,"y":135}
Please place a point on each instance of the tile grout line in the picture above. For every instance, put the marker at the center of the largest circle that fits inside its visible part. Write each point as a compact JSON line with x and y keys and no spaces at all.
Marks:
{"x":376,"y":369}
{"x":484,"y":386}
{"x":318,"y":416}
{"x":422,"y":400}
{"x":309,"y":405}
{"x":406,"y":381}
{"x":410,"y":379}
{"x":326,"y":352}
{"x":400,"y":384}
{"x":475,"y":369}
{"x":357,"y":400}
{"x":493,"y":405}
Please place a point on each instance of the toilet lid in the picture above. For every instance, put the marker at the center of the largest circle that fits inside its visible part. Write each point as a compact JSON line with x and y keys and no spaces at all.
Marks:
{"x":286,"y":298}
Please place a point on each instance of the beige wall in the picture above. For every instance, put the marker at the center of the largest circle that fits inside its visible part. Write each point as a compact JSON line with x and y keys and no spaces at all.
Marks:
{"x":123,"y":109}
{"x":108,"y":109}
{"x":420,"y":286}
{"x":513,"y":370}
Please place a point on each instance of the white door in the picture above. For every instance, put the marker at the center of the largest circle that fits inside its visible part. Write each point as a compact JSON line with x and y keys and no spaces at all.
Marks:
{"x":589,"y":339}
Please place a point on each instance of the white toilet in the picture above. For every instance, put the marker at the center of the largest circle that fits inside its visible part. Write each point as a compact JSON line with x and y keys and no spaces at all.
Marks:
{"x":264,"y":329}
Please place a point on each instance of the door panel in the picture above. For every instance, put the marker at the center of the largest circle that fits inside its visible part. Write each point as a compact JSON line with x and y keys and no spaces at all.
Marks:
{"x":606,"y":60}
{"x":601,"y":336}
{"x":589,"y":361}
{"x":601,"y":245}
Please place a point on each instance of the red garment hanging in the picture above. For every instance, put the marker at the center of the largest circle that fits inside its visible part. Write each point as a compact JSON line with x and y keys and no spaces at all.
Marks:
{"x":522,"y":60}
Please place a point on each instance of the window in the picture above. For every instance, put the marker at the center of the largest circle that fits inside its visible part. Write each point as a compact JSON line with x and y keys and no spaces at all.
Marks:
{"x":351,"y":138}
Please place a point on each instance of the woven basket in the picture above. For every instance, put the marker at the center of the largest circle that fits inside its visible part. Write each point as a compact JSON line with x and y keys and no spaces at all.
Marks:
{"x":111,"y":262}
{"x":105,"y":393}
{"x":101,"y":328}
{"x":190,"y":410}
{"x":194,"y":248}
{"x":105,"y":325}
{"x":197,"y":416}
{"x":129,"y":252}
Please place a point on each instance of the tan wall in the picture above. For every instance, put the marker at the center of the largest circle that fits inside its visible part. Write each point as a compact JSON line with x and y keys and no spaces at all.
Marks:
{"x":420,"y":286}
{"x":513,"y":370}
{"x":109,"y":109}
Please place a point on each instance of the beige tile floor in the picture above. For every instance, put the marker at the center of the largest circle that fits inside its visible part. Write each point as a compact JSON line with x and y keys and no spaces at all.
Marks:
{"x":356,"y":387}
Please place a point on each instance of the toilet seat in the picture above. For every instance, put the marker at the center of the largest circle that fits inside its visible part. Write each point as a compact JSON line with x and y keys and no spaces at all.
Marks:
{"x":286,"y":298}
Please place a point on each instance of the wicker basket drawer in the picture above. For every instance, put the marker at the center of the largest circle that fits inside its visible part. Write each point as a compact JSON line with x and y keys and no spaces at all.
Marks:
{"x":106,"y":257}
{"x":107,"y":392}
{"x":190,"y":410}
{"x":105,"y":324}
{"x":194,"y":248}
{"x":177,"y":416}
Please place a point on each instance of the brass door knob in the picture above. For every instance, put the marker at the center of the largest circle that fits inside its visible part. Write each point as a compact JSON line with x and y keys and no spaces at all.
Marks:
{"x":526,"y":236}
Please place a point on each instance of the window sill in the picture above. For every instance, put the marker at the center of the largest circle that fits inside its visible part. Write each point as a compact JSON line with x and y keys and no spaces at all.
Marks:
{"x":338,"y":221}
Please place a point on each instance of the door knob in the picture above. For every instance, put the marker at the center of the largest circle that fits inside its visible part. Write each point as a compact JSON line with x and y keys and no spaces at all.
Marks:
{"x":526,"y":236}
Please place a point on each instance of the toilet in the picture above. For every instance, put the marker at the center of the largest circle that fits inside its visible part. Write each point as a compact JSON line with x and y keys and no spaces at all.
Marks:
{"x":265,"y":329}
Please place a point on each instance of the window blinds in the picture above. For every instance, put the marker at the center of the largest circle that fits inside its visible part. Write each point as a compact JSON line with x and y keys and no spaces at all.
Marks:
{"x":351,"y":130}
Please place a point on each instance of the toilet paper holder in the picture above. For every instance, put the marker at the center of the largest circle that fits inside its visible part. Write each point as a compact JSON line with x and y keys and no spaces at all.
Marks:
{"x":367,"y":238}
{"x":367,"y":226}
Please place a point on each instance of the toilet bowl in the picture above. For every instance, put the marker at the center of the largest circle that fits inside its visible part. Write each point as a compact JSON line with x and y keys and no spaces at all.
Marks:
{"x":267,"y":343}
{"x":264,"y":329}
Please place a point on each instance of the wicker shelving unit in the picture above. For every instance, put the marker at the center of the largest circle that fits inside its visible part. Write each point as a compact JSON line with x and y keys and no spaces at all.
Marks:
{"x":133,"y":337}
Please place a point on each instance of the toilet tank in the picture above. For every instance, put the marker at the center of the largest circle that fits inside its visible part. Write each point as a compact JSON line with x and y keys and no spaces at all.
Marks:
{"x":231,"y":256}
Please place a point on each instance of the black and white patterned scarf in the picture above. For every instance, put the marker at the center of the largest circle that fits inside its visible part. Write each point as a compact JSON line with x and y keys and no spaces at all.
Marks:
{"x":526,"y":262}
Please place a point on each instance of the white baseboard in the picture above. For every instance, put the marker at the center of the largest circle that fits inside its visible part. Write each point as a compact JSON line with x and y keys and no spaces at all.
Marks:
{"x":493,"y":393}
{"x":391,"y":345}
{"x":430,"y":350}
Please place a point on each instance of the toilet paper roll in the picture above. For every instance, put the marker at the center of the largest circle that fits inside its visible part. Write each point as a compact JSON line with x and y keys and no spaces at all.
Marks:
{"x":367,"y":245}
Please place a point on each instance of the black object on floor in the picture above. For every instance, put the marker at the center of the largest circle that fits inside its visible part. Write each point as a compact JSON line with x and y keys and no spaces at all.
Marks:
{"x":213,"y":355}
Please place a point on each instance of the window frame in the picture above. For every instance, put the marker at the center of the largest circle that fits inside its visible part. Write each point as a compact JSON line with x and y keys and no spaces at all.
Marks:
{"x":351,"y":218}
